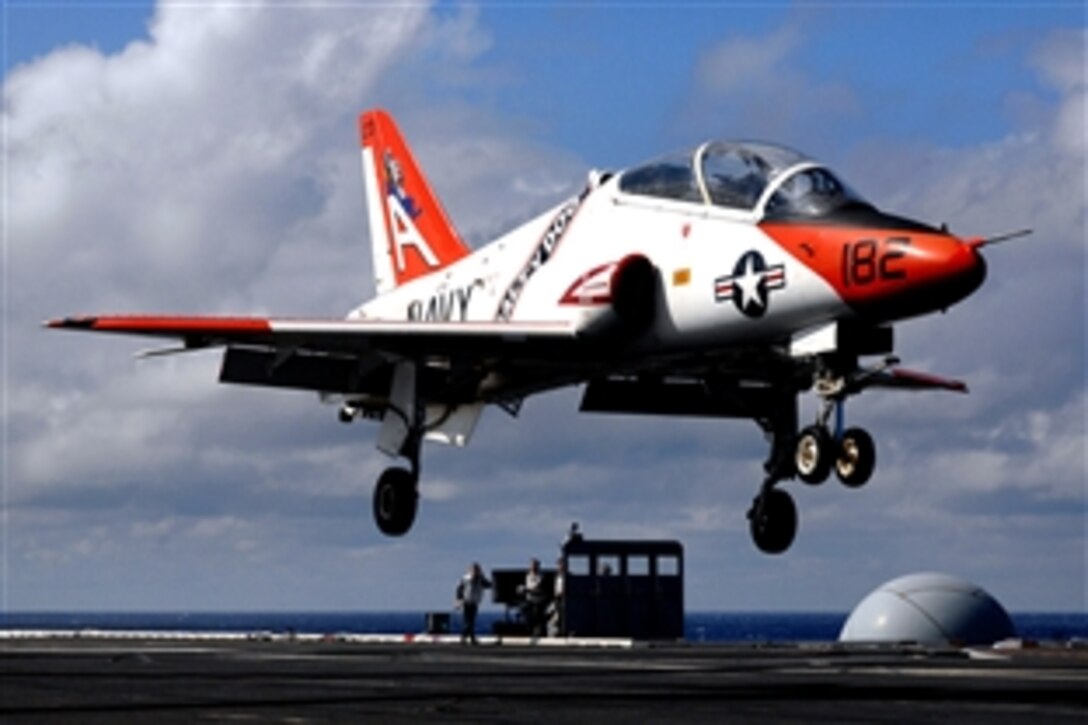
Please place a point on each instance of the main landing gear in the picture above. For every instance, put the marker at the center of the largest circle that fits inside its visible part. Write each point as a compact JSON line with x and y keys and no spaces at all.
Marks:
{"x":396,"y":499}
{"x":396,"y":495}
{"x":811,"y":455}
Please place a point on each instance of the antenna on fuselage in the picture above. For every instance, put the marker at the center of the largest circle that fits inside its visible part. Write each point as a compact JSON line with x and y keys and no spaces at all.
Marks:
{"x":997,"y":239}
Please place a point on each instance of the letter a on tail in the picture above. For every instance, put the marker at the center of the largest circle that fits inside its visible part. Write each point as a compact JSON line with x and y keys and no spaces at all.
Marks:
{"x":410,"y":234}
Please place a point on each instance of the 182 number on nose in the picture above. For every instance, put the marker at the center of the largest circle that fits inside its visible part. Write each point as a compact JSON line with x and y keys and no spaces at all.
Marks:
{"x":869,"y":260}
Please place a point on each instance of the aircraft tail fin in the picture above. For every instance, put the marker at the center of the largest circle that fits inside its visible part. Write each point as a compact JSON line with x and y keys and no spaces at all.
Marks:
{"x":410,"y":234}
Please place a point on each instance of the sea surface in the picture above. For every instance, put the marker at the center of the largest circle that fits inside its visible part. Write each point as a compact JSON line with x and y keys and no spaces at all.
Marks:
{"x":698,"y":626}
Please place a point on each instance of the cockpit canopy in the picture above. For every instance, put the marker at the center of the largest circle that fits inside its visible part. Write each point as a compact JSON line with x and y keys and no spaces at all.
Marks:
{"x":771,"y":182}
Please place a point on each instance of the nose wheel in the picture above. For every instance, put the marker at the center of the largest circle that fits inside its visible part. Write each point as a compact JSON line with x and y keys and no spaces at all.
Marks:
{"x":814,"y":454}
{"x":852,"y":457}
{"x":856,"y":457}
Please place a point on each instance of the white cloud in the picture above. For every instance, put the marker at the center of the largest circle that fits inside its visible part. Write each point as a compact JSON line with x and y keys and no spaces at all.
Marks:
{"x":743,"y":63}
{"x":752,"y":87}
{"x":1061,"y":60}
{"x":1039,"y":452}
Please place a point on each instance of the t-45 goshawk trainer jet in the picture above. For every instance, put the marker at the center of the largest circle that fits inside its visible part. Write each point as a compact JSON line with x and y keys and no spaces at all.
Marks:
{"x":722,"y":282}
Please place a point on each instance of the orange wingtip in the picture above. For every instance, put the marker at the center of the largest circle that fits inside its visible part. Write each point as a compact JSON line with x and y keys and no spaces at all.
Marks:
{"x":162,"y":324}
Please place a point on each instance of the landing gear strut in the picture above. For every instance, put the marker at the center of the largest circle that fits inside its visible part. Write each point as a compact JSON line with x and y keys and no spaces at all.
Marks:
{"x":811,"y":455}
{"x":772,"y":520}
{"x":396,"y":494}
{"x":852,"y":455}
{"x":820,"y":449}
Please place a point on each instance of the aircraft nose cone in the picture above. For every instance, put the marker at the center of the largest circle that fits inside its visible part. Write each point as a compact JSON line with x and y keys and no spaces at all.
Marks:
{"x":966,"y":272}
{"x":935,"y":272}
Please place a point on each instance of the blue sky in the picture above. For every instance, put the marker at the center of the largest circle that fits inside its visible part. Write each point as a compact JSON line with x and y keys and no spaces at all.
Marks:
{"x":935,"y":70}
{"x":35,"y":29}
{"x":941,"y":74}
{"x":201,"y":157}
{"x":645,"y":51}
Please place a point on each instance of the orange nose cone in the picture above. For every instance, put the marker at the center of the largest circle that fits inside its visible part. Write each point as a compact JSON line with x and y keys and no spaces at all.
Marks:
{"x":934,"y":272}
{"x":887,"y":274}
{"x":966,"y":271}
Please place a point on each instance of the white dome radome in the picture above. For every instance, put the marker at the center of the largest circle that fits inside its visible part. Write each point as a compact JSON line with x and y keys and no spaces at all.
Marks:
{"x":934,"y":609}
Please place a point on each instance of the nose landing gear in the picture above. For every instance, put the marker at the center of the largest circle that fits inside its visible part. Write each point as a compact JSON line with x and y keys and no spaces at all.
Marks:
{"x":849,"y":452}
{"x":852,"y":456}
{"x":811,"y":455}
{"x":857,"y":457}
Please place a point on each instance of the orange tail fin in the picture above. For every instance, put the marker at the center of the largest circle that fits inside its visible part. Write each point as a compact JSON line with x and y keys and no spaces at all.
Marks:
{"x":410,"y":234}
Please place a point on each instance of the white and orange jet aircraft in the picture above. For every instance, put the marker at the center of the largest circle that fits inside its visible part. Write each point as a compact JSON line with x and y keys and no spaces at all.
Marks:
{"x":723,"y":282}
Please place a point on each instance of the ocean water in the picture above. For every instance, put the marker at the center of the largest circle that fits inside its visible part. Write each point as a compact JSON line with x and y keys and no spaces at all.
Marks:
{"x":698,"y":626}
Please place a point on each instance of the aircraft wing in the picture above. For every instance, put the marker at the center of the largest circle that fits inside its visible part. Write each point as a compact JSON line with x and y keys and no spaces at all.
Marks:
{"x":342,"y":356}
{"x":335,"y":336}
{"x":903,"y":379}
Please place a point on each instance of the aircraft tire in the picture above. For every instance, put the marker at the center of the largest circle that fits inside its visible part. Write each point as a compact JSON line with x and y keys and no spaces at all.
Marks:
{"x":814,"y":455}
{"x":857,"y":458}
{"x":773,"y":522}
{"x":396,"y":499}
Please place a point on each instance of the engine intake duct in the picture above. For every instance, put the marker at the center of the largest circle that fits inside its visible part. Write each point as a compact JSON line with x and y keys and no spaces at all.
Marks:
{"x":634,"y":292}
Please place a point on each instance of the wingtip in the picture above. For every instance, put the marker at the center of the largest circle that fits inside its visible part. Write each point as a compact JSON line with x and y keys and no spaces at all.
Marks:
{"x":77,"y":323}
{"x":955,"y":386}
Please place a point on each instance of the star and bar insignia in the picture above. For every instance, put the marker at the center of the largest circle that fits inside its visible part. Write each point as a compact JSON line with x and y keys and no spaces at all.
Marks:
{"x":751,"y":283}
